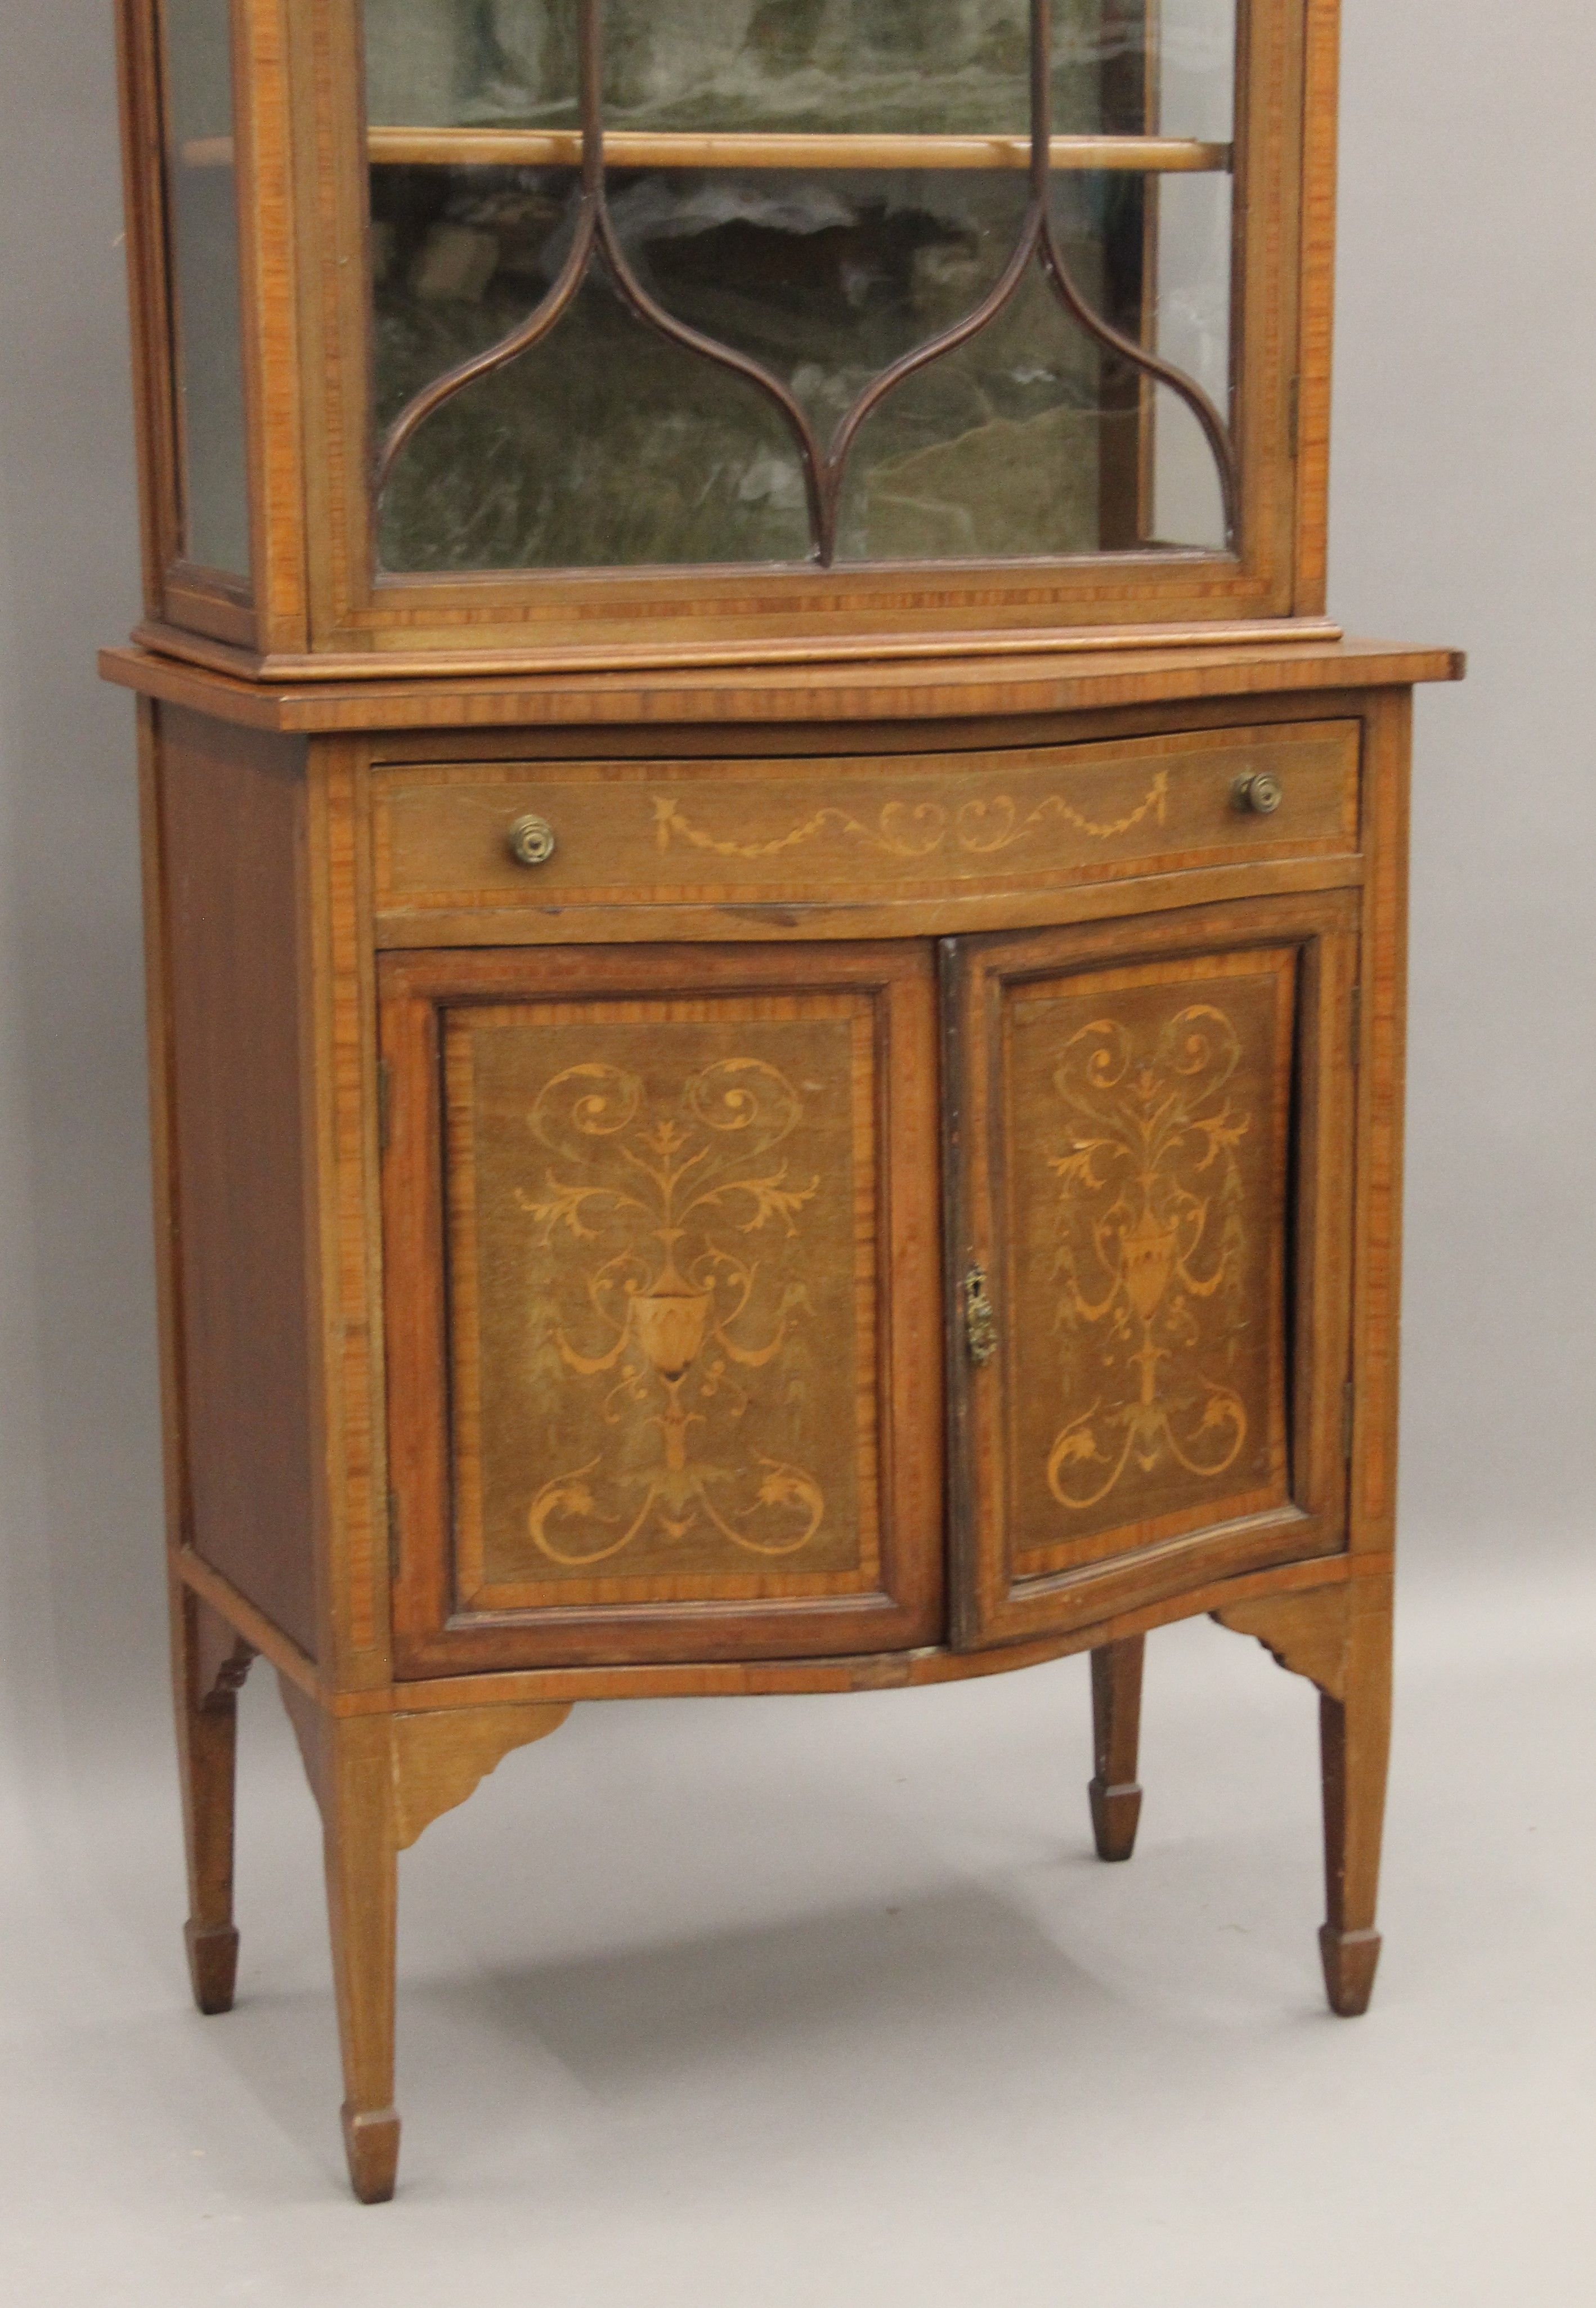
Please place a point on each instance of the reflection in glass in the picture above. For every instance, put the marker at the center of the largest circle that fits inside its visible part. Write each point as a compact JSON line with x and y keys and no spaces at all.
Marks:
{"x":605,"y":446}
{"x":1191,"y":329}
{"x":890,"y":66}
{"x":1035,"y":439}
{"x":995,"y":452}
{"x":1187,"y":506}
{"x":203,"y":209}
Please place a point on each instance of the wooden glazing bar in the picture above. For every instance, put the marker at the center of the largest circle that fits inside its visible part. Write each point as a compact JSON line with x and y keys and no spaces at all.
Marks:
{"x":509,"y":148}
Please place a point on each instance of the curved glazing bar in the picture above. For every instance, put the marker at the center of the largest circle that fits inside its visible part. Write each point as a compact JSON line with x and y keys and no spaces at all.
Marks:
{"x":595,"y":230}
{"x":824,"y":467}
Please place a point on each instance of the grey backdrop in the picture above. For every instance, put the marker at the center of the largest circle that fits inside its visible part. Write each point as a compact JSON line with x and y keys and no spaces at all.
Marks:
{"x":1464,"y":497}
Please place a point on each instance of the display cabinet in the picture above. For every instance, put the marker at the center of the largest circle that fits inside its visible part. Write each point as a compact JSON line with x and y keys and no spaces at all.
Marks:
{"x":776,"y":922}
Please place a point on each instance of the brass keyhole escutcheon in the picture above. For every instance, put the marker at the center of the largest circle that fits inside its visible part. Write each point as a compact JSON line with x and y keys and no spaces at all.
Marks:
{"x":532,"y":841}
{"x":1260,"y":793}
{"x":981,"y":1323}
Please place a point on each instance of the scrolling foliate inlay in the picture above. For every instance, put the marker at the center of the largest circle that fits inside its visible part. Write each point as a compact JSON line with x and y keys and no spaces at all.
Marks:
{"x":679,"y":1315}
{"x":684,"y":1359}
{"x":983,"y":827}
{"x":1156,"y":1210}
{"x":1149,"y":1228}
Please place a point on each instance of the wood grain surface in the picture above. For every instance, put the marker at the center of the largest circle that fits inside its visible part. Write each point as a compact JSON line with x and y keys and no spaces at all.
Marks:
{"x":1150,"y":1143}
{"x":1049,"y":674}
{"x":629,"y":833}
{"x":231,"y":807}
{"x":576,"y":1281}
{"x":661,"y":1271}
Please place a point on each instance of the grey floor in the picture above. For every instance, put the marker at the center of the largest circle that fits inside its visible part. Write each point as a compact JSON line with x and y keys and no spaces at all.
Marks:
{"x":790,"y":2001}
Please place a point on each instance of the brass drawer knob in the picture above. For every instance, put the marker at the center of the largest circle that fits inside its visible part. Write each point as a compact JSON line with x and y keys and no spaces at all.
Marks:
{"x":532,"y":841}
{"x":1260,"y":793}
{"x":981,"y":1323}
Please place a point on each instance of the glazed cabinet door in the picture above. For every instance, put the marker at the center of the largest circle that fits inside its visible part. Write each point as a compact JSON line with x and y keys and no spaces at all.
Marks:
{"x":662,"y":1279}
{"x":1151,"y":1162}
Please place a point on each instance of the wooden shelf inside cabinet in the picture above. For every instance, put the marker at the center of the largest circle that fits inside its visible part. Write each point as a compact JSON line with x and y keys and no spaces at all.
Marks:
{"x":777,"y":1041}
{"x":562,"y":148}
{"x":478,"y":147}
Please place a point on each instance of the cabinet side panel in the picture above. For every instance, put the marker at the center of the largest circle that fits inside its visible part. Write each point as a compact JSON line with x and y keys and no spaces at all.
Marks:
{"x":232,"y":822}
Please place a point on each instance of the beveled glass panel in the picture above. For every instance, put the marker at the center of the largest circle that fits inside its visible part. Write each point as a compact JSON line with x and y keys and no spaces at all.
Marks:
{"x":208,"y":330}
{"x":884,"y":66}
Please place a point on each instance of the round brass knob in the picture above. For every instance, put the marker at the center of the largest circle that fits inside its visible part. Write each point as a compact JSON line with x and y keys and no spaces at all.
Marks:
{"x":1260,"y":793}
{"x":532,"y":841}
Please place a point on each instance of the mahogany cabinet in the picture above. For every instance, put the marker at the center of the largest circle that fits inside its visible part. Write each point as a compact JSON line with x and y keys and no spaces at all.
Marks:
{"x":776,"y":923}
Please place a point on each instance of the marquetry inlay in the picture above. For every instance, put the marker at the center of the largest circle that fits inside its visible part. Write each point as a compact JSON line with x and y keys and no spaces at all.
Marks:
{"x":663,"y":1307}
{"x":1148,"y":1115}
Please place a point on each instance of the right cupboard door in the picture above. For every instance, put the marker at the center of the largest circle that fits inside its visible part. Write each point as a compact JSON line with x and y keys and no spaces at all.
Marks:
{"x":1150,"y":1146}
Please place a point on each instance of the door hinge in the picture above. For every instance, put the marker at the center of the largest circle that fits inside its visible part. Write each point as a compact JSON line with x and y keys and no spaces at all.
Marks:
{"x":1349,"y":1420}
{"x":384,"y":1105}
{"x":393,"y":1537}
{"x":1355,"y":1026}
{"x":1294,"y":417}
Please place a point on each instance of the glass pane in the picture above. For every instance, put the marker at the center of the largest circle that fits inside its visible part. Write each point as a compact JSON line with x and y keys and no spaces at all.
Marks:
{"x":607,"y":445}
{"x":203,"y":207}
{"x":995,"y":452}
{"x":1192,"y":332}
{"x":1124,"y":67}
{"x":1035,"y":439}
{"x":1188,"y":507}
{"x":1192,"y":75}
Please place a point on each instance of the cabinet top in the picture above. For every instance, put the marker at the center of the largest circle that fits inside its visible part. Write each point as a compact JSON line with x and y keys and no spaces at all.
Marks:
{"x":948,"y":689}
{"x":678,"y":328}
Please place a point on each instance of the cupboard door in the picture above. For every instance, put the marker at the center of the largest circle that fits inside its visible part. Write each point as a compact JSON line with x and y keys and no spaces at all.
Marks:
{"x":662,"y":1304}
{"x":1151,"y":1136}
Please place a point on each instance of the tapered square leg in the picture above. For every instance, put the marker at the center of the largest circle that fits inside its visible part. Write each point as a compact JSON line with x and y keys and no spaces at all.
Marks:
{"x":362,"y":1908}
{"x":1355,"y":1743}
{"x":349,"y":1761}
{"x":208,"y":1664}
{"x":1117,"y":1730}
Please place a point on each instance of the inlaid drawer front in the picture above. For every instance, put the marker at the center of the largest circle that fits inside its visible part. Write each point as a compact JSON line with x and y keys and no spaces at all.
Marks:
{"x":923,"y":825}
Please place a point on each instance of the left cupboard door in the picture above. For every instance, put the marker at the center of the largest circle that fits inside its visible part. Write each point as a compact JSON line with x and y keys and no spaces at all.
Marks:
{"x":662,"y":1250}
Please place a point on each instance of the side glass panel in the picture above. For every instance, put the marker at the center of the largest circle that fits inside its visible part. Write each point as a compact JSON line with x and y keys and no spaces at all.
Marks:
{"x":810,"y":308}
{"x":207,"y":316}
